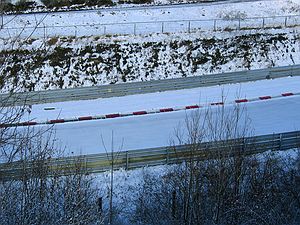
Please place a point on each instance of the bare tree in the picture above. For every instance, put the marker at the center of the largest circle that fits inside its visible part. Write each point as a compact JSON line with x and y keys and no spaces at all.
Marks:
{"x":33,"y":188}
{"x":40,"y":191}
{"x":219,"y":182}
{"x":112,"y":156}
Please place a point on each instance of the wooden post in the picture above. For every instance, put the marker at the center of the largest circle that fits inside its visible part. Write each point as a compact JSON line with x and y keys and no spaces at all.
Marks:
{"x":162,"y":27}
{"x":189,"y":27}
{"x":263,"y":23}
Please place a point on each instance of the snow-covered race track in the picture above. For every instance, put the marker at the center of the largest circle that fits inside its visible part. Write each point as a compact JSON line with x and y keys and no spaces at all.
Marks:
{"x":267,"y":116}
{"x":278,"y":115}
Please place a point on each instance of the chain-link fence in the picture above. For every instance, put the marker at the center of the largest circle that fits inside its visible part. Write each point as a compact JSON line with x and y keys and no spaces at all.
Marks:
{"x":143,"y":28}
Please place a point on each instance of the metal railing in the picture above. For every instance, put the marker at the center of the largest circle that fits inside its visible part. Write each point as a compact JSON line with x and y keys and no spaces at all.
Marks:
{"x":96,"y":163}
{"x":122,"y":89}
{"x":142,"y":28}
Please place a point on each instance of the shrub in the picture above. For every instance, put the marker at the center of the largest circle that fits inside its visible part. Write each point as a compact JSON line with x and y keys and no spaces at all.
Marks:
{"x":135,"y":1}
{"x":61,"y":3}
{"x":99,"y":2}
{"x":55,"y":3}
{"x":24,"y":5}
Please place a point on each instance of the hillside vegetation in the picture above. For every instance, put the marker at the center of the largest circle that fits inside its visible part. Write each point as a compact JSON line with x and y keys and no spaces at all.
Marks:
{"x":73,"y":62}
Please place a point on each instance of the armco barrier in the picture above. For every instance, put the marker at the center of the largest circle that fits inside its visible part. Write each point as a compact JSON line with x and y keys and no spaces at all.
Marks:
{"x":122,"y":89}
{"x":96,"y":163}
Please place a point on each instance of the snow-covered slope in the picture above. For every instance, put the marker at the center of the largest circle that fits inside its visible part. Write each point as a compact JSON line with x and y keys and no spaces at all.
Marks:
{"x":74,"y":62}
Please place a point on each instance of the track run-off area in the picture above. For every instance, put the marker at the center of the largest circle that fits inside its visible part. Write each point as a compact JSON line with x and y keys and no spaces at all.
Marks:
{"x":267,"y":116}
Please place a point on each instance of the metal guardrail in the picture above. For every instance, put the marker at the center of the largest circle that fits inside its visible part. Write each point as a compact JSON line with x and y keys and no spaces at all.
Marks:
{"x":122,"y":89}
{"x":96,"y":163}
{"x":143,"y":28}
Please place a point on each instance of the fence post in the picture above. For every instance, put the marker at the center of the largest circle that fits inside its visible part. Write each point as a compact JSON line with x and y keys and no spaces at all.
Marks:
{"x":75,"y":31}
{"x":189,"y":27}
{"x":239,"y":23}
{"x":127,"y":161}
{"x":263,"y":23}
{"x":134,"y":28}
{"x":104,"y":30}
{"x":215,"y":25}
{"x":162,"y":27}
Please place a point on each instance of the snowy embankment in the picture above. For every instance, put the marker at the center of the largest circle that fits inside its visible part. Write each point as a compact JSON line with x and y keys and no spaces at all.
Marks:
{"x":65,"y":62}
{"x":75,"y":62}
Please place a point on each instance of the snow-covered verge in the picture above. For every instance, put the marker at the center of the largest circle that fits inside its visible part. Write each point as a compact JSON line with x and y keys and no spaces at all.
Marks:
{"x":19,"y":6}
{"x":90,"y":18}
{"x":75,"y":62}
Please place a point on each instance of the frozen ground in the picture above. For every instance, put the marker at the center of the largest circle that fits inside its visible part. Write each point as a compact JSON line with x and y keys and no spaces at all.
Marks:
{"x":86,"y":23}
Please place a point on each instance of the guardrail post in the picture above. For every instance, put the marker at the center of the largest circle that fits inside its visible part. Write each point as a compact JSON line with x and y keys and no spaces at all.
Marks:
{"x":167,"y":159}
{"x":162,"y":27}
{"x":280,"y":141}
{"x":127,"y":161}
{"x":285,"y":21}
{"x":85,"y":164}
